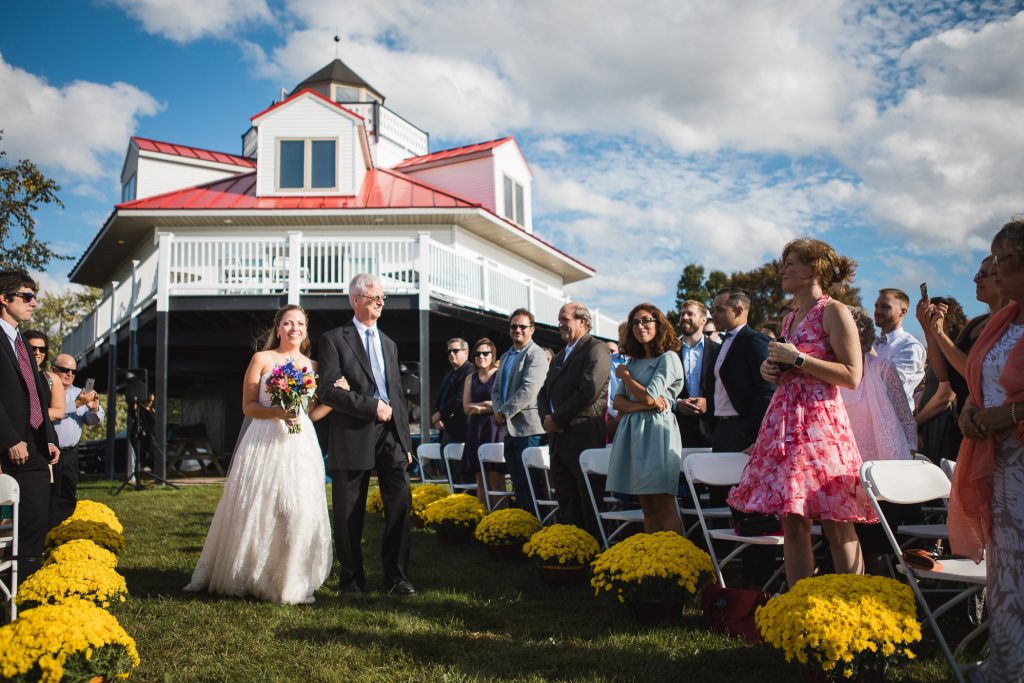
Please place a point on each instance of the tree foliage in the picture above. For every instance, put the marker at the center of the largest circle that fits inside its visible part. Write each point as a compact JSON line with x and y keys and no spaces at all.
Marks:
{"x":23,"y":189}
{"x":58,"y":314}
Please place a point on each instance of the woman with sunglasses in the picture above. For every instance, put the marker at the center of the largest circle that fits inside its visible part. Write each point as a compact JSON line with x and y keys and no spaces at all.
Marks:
{"x":480,"y":424}
{"x":647,"y":447}
{"x":40,"y":345}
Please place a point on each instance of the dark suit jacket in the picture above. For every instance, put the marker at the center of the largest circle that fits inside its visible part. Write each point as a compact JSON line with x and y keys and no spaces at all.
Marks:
{"x":578,"y":388}
{"x":14,"y":412}
{"x":696,"y":430}
{"x":748,"y":392}
{"x":449,"y":403}
{"x":352,"y":441}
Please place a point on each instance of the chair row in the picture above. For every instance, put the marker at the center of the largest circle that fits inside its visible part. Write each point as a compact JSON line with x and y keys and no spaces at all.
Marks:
{"x":10,"y":495}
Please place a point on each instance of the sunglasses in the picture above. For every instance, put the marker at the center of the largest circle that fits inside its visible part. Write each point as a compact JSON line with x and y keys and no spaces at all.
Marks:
{"x":451,"y":351}
{"x":644,"y":322}
{"x":479,"y":354}
{"x":374,"y":299}
{"x":63,"y":370}
{"x":516,"y":328}
{"x":38,"y":349}
{"x":27,"y":297}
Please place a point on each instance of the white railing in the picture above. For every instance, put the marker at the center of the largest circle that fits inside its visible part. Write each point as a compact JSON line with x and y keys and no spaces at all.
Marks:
{"x":397,"y":129}
{"x":327,"y":264}
{"x":457,"y":276}
{"x":223,"y":265}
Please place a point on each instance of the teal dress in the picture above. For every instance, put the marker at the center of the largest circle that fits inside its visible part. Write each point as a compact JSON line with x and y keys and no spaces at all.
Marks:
{"x":647,"y":447}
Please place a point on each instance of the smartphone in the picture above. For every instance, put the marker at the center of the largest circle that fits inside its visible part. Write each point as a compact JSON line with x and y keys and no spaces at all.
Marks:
{"x":924,"y":291}
{"x":781,"y":339}
{"x":89,"y":384}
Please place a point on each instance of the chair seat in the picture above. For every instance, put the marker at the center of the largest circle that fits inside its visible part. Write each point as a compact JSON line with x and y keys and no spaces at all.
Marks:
{"x":955,"y":570}
{"x":924,"y":530}
{"x":624,"y":515}
{"x":714,"y":513}
{"x":730,"y":535}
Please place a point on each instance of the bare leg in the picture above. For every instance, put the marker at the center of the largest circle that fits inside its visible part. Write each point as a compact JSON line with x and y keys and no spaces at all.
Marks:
{"x":496,"y":483}
{"x":647,"y":505}
{"x":661,"y":513}
{"x":799,"y":559}
{"x":480,"y":495}
{"x":842,"y":539}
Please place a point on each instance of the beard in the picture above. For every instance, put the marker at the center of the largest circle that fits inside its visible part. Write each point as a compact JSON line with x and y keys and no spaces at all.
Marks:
{"x":688,"y":328}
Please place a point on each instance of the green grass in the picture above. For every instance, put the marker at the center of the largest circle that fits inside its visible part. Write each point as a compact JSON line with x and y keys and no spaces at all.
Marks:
{"x":474,"y":619}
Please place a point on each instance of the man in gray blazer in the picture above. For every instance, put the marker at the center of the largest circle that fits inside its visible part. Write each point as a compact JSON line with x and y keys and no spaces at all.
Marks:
{"x":514,"y":397}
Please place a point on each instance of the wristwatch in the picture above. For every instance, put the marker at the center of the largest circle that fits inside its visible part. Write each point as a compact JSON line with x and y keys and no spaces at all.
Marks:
{"x":798,"y":362}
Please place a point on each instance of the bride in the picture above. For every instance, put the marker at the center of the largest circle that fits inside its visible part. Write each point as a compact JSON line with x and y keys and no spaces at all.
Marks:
{"x":270,"y":536}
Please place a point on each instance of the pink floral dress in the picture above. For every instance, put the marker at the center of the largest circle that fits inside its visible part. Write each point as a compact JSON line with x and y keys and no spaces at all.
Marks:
{"x":805,"y":461}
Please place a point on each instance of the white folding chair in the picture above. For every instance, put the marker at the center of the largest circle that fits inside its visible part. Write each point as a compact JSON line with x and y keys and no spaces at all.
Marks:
{"x":722,"y":469}
{"x":709,"y":513}
{"x":453,"y":454}
{"x":10,"y":494}
{"x":429,"y":455}
{"x":947,"y":466}
{"x":492,"y":454}
{"x":912,"y":481}
{"x":539,"y":458}
{"x":594,"y":461}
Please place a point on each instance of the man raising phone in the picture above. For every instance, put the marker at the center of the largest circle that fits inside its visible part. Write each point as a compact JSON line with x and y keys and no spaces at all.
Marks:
{"x":82,"y":407}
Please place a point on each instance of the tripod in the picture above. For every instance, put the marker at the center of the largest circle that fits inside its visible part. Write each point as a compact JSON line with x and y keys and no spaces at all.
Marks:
{"x":135,"y":437}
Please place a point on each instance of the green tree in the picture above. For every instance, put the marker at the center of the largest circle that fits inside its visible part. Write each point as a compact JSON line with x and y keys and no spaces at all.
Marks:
{"x":693,"y":286}
{"x":23,"y":189}
{"x":58,"y":314}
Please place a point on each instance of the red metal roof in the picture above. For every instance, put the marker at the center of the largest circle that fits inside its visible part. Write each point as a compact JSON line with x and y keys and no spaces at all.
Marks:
{"x":297,"y":95}
{"x":453,"y":152}
{"x":192,"y":152}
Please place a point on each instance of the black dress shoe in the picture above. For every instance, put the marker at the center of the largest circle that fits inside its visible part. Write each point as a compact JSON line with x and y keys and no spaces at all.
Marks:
{"x":401,"y":589}
{"x":351,"y":588}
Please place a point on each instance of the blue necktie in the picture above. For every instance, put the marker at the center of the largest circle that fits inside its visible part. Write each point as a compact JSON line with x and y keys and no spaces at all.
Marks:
{"x":378,"y":371}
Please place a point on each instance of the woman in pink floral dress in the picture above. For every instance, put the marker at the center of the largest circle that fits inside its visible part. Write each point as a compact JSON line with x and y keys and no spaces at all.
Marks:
{"x":804,"y":465}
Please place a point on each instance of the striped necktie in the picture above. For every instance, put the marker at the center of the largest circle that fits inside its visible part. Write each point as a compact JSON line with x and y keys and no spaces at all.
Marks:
{"x":35,"y":410}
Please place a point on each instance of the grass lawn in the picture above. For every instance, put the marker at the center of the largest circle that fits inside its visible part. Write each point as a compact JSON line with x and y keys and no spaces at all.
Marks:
{"x":474,"y":619}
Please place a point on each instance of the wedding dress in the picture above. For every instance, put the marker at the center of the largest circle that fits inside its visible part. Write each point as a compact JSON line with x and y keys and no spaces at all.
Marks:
{"x":270,"y":536}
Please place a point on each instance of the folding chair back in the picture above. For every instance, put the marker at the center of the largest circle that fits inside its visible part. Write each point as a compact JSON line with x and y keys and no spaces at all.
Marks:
{"x":715,"y":469}
{"x":947,"y":466}
{"x":710,"y":513}
{"x":906,"y":481}
{"x":492,"y":454}
{"x":921,"y":457}
{"x":10,"y":494}
{"x":453,"y":454}
{"x":539,"y":458}
{"x":594,"y":462}
{"x":429,"y":455}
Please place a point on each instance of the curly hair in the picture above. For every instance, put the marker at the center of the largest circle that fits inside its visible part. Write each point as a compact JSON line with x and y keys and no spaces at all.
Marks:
{"x":955,"y":319}
{"x":665,"y":338}
{"x":271,"y":340}
{"x":828,"y":266}
{"x":1011,"y":237}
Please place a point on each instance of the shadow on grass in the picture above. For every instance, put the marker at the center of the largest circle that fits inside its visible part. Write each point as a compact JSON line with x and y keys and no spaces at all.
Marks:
{"x":147,"y":581}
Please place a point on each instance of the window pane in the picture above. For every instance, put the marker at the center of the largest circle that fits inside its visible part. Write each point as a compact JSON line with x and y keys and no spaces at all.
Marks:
{"x":323,"y":163}
{"x":291,"y":163}
{"x":343,"y":93}
{"x":508,"y":199}
{"x":520,"y":214}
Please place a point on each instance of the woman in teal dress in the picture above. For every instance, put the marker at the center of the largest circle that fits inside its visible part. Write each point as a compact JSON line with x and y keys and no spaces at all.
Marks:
{"x":647,"y":447}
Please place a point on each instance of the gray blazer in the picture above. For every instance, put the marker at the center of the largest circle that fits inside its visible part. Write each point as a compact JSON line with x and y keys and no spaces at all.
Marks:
{"x":520,"y":408}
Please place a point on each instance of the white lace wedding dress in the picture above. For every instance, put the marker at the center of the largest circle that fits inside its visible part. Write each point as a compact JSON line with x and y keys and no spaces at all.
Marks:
{"x":270,"y":536}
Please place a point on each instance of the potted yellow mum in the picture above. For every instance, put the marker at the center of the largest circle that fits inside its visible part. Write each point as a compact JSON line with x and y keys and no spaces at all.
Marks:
{"x":422,"y":496}
{"x":74,"y":579}
{"x":563,"y":551}
{"x":505,"y":531}
{"x":454,"y":518}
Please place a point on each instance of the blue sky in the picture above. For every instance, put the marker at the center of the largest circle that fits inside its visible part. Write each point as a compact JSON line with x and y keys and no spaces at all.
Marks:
{"x":708,"y":132}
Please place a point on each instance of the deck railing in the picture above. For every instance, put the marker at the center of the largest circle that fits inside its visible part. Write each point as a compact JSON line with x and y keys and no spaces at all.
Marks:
{"x":263,"y":265}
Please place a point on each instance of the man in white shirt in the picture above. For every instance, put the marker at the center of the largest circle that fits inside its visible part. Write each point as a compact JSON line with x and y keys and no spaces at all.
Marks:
{"x":693,"y":407}
{"x":81,"y":408}
{"x":895,"y":343}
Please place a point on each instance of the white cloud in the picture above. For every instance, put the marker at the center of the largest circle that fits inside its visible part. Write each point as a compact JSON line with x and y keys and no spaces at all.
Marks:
{"x":186,"y":20}
{"x":71,"y":128}
{"x":51,"y":284}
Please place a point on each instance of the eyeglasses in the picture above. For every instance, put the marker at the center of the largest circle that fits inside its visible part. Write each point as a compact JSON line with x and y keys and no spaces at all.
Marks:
{"x":642,"y":322}
{"x":451,"y":351}
{"x":38,"y":349}
{"x":998,"y":260}
{"x":516,"y":328}
{"x":481,"y":354}
{"x":982,"y":274}
{"x":374,"y":299}
{"x":63,"y":370}
{"x":27,"y":297}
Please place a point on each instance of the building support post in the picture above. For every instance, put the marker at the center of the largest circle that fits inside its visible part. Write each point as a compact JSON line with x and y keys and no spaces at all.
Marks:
{"x":133,"y":321}
{"x":424,"y":316}
{"x":163,"y":300}
{"x":294,"y":267}
{"x":112,"y":381}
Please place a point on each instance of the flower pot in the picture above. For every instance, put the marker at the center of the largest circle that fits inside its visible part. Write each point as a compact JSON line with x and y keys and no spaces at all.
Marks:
{"x":563,"y":574}
{"x":454,"y":536}
{"x":813,"y":674}
{"x":656,"y":612}
{"x":505,"y":552}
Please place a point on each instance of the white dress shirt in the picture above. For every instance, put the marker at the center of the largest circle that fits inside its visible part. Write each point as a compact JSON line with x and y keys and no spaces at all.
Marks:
{"x":907,"y":354}
{"x":723,"y":406}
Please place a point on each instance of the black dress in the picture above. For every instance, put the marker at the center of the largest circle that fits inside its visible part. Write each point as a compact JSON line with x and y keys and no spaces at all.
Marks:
{"x":479,"y":428}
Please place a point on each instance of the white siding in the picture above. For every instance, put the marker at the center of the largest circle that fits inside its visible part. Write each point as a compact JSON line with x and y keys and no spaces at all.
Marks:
{"x":387,"y":153}
{"x":509,"y":161}
{"x":156,"y":176}
{"x":308,"y":117}
{"x":472,"y":180}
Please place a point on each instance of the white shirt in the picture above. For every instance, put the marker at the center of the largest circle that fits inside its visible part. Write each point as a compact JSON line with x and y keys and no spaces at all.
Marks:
{"x":723,"y":406}
{"x":907,"y":354}
{"x":12,"y":334}
{"x":69,"y":429}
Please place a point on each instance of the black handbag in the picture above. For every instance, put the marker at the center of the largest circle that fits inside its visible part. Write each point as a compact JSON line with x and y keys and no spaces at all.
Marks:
{"x":759,"y":525}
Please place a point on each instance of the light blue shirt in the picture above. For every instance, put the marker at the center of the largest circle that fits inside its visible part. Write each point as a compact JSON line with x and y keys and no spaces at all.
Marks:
{"x":506,"y":370}
{"x":614,"y":382}
{"x":378,"y":352}
{"x":11,"y":332}
{"x":69,"y":429}
{"x":693,"y":361}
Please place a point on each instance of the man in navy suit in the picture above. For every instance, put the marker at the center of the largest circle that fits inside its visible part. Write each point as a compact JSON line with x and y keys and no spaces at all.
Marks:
{"x":27,"y":438}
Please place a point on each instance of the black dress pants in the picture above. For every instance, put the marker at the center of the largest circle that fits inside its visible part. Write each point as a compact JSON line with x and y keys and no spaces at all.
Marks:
{"x":64,"y":491}
{"x":33,"y":479}
{"x":348,"y":499}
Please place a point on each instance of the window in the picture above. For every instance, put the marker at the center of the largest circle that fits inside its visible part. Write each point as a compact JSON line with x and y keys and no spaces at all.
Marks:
{"x":345,"y":93}
{"x":515,"y":203}
{"x":128,"y":190}
{"x":307,"y":164}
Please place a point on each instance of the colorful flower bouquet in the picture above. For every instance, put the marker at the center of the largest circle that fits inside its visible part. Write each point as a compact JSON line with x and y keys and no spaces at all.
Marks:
{"x":510,"y":526}
{"x":75,"y":640}
{"x":562,"y":544}
{"x":843,"y":624}
{"x":291,"y":388}
{"x":77,"y":579}
{"x":82,"y":550}
{"x":424,"y":495}
{"x":662,"y":567}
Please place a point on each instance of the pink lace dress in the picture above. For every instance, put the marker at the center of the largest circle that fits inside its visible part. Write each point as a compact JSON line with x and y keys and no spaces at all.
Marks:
{"x":805,"y":460}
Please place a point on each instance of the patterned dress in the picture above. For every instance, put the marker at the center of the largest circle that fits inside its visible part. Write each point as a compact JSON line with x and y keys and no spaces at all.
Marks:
{"x":805,"y":460}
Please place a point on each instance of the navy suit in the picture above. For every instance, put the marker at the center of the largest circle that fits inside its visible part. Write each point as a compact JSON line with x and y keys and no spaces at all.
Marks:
{"x":748,"y":392}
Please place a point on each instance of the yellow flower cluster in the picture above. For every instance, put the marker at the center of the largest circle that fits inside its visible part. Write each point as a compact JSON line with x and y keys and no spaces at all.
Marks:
{"x":562,"y":544}
{"x":842,"y":622}
{"x":61,"y":581}
{"x":99,"y":532}
{"x":511,"y":525}
{"x":76,"y":635}
{"x":374,"y":503}
{"x":663,"y":560}
{"x":460,"y":510}
{"x":424,"y":495}
{"x":97,"y":512}
{"x":82,"y":550}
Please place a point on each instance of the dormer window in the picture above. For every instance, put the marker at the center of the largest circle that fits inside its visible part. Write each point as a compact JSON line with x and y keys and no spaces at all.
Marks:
{"x":307,"y":164}
{"x":514,"y":202}
{"x":346,"y":93}
{"x":128,"y":189}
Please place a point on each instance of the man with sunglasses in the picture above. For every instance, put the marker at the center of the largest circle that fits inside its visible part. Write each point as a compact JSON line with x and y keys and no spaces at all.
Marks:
{"x":521,"y":373}
{"x":82,"y":408}
{"x":28,"y":443}
{"x":448,"y":417}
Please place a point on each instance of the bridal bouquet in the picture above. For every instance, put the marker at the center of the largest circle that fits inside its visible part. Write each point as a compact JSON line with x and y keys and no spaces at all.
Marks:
{"x":291,"y":388}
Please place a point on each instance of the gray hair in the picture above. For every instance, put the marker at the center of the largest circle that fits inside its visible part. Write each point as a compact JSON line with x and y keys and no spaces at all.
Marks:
{"x":865,"y":327}
{"x":362,"y":282}
{"x":463,"y":344}
{"x":580,"y":312}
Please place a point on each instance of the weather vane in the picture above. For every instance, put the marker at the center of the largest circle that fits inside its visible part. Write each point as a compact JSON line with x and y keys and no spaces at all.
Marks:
{"x":337,"y":42}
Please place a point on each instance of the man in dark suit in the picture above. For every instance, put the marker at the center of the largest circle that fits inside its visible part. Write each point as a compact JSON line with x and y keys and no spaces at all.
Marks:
{"x":369,"y":429}
{"x":448,"y":417}
{"x":27,"y":438}
{"x":694,"y":407}
{"x":571,"y":405}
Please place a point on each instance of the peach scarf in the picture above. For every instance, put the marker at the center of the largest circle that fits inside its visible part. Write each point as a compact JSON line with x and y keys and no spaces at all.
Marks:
{"x":970,"y":514}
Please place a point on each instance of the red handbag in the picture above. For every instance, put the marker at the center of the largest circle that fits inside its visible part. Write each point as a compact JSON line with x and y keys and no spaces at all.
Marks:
{"x":731,"y":610}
